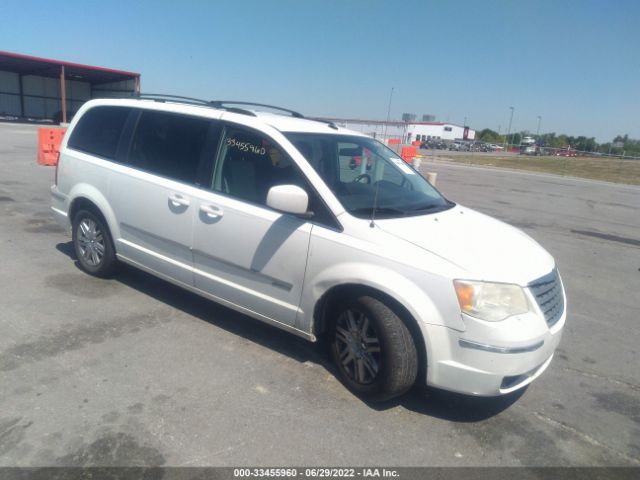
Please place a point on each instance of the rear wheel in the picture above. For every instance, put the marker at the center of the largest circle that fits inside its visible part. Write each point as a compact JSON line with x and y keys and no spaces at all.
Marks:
{"x":372,"y":348}
{"x":93,"y":245}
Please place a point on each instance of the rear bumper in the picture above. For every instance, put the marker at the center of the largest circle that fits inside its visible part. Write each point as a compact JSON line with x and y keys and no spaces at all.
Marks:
{"x":59,"y":208}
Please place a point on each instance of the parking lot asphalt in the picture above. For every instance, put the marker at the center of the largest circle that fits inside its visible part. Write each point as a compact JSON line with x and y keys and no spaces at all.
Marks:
{"x":135,"y":371}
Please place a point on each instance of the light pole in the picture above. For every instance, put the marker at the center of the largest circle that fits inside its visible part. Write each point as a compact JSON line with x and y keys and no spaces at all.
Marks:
{"x":507,"y":139}
{"x":384,"y":135}
{"x":538,"y":129}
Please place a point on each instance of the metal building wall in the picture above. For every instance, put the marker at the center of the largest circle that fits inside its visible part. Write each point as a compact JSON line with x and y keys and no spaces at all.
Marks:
{"x":114,"y":89}
{"x":440,"y":131}
{"x":42,"y":96}
{"x":10,"y":96}
{"x":36,"y":97}
{"x":377,"y":130}
{"x":430,"y":131}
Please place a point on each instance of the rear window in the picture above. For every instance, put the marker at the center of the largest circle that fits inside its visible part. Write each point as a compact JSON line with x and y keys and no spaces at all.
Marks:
{"x":99,"y":130}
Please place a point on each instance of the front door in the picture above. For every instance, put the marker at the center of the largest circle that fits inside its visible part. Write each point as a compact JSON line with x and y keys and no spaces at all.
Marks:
{"x":244,"y":252}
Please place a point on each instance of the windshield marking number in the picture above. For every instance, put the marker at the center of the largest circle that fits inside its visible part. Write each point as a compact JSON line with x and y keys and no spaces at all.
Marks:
{"x":246,"y":146}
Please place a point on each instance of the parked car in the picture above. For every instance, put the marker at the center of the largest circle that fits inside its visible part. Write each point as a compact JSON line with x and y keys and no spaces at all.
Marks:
{"x":261,"y":212}
{"x":530,"y":150}
{"x":566,"y":153}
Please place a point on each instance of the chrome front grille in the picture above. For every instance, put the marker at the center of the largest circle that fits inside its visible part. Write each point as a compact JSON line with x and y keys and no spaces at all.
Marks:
{"x":548,"y":293}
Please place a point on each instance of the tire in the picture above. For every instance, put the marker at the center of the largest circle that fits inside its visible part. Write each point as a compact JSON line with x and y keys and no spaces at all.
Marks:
{"x":93,"y":244}
{"x":372,"y":348}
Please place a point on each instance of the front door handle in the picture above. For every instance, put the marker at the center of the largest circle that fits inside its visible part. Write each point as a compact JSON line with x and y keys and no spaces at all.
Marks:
{"x":211,"y":211}
{"x":178,"y":200}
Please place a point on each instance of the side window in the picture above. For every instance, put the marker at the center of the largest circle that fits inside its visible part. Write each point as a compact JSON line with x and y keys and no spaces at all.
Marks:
{"x":169,"y":145}
{"x":249,"y":164}
{"x":99,"y":130}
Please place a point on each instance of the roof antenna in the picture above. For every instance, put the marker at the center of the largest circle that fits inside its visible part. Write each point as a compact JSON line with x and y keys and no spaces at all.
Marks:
{"x":375,"y":197}
{"x":375,"y":205}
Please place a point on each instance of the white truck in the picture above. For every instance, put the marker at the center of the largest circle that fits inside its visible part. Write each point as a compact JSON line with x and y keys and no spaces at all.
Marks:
{"x":528,"y":146}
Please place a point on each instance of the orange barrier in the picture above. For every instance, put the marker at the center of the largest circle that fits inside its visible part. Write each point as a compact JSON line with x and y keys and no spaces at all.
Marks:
{"x":394,"y":141}
{"x":407,"y":153}
{"x":49,"y":140}
{"x":416,"y":143}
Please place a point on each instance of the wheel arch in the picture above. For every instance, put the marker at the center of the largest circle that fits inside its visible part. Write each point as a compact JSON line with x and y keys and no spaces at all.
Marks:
{"x":322,"y":320}
{"x":90,"y":198}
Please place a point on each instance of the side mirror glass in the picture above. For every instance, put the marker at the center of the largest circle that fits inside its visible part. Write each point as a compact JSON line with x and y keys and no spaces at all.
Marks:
{"x":289,"y":199}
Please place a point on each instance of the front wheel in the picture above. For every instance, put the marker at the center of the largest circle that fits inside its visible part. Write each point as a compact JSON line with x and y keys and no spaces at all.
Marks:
{"x":373,"y":349}
{"x":93,"y":245}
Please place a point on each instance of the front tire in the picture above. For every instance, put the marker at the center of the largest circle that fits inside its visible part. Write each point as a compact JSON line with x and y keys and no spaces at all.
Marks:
{"x":373,"y":349}
{"x":93,"y":245}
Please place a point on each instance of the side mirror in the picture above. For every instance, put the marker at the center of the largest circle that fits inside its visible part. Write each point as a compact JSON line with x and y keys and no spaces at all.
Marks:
{"x":289,"y":199}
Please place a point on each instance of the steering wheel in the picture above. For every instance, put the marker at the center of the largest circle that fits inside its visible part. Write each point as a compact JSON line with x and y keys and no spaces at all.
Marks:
{"x":363,"y":176}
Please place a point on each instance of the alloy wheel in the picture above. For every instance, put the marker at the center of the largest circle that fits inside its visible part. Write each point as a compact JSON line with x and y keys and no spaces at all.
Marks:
{"x":90,"y":242}
{"x":357,"y":346}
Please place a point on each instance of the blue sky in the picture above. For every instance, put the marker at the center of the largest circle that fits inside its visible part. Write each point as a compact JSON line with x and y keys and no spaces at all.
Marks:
{"x":574,"y":63}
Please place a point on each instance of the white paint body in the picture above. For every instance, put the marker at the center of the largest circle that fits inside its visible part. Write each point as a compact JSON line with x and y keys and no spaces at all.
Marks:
{"x":276,"y":267}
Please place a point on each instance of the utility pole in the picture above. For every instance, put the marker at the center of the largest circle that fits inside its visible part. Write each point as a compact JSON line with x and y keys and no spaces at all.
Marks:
{"x":507,"y":138}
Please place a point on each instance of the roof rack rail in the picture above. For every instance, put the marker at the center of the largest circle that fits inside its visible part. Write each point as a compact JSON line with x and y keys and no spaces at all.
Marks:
{"x":238,"y":110}
{"x":328,"y":122}
{"x":161,"y":97}
{"x":222,"y":103}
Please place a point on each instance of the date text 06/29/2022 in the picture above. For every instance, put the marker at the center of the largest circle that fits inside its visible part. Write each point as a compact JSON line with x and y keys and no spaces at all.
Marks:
{"x":315,"y":472}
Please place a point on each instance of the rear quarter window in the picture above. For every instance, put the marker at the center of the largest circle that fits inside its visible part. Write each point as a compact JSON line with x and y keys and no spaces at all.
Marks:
{"x":98,"y":131}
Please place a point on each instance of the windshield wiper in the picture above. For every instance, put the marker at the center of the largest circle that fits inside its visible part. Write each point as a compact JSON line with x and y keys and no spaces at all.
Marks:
{"x":430,"y":208}
{"x":377,"y":210}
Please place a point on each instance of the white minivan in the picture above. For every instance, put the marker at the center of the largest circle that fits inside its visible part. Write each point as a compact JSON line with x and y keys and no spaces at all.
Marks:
{"x":318,"y":230}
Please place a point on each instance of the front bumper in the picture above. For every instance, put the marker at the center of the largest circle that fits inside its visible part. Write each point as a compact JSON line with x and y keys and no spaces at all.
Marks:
{"x":478,"y":363}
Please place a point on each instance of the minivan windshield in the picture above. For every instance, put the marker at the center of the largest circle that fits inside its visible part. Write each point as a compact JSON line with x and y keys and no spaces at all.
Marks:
{"x":365,"y":176}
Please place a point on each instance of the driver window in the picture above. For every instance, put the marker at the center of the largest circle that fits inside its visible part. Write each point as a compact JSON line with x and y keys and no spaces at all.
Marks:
{"x":250,"y":164}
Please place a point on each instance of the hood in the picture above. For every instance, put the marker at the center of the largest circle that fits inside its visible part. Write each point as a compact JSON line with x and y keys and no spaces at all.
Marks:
{"x":486,"y":248}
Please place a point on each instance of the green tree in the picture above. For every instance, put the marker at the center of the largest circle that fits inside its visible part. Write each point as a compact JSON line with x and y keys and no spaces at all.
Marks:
{"x":490,"y":136}
{"x":630,"y":146}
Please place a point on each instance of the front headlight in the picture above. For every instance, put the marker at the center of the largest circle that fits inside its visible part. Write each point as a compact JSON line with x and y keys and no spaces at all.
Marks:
{"x":490,"y":301}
